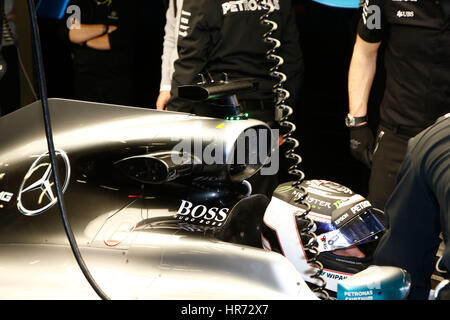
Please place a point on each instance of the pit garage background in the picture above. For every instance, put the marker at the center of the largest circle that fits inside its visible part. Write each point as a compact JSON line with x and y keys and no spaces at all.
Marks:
{"x":327,"y":35}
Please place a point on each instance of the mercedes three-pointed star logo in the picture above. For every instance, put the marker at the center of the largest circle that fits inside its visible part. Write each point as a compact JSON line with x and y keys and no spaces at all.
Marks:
{"x":42,"y":183}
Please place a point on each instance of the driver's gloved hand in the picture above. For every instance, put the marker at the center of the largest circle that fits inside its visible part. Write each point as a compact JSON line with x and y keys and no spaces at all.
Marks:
{"x":361,"y":144}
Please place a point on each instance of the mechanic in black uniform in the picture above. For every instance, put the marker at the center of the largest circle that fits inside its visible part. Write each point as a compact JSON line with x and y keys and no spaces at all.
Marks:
{"x":223,"y":36}
{"x":102,"y":50}
{"x":419,"y":209}
{"x":417,"y":61}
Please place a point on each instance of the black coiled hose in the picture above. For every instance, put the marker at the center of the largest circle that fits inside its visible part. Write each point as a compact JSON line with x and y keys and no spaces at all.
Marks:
{"x":282,"y":114}
{"x":51,"y":149}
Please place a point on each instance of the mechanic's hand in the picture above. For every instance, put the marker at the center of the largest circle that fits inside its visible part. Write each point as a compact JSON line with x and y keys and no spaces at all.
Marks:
{"x":111,"y":29}
{"x":361,"y":144}
{"x":162,"y":100}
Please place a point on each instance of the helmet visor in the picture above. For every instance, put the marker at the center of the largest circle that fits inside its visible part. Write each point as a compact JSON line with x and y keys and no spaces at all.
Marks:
{"x":363,"y":228}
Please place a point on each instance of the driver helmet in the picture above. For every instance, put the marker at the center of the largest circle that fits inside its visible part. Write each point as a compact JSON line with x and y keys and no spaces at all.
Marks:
{"x":346,"y":226}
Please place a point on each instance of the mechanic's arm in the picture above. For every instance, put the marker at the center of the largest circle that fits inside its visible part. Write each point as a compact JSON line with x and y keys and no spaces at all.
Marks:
{"x":118,"y":37}
{"x":360,"y":78}
{"x":196,"y":34}
{"x":361,"y":74}
{"x":167,"y":58}
{"x":419,"y":209}
{"x":99,"y":43}
{"x":88,"y":32}
{"x":370,"y":33}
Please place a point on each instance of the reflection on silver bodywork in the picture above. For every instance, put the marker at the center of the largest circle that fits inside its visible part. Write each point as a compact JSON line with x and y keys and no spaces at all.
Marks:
{"x":166,"y":267}
{"x":127,"y":231}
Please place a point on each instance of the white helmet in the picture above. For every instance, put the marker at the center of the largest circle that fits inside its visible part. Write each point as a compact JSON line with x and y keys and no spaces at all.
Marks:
{"x":345,"y":224}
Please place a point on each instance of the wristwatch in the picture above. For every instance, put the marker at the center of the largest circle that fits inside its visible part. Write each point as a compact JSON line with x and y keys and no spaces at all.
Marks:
{"x":351,"y":121}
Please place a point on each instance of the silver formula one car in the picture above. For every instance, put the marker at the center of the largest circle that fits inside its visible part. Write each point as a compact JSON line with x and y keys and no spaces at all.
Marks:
{"x":146,"y":226}
{"x":160,"y":207}
{"x":153,"y":216}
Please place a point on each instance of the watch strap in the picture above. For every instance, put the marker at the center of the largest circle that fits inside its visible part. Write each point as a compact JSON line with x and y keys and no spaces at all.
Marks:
{"x":351,"y":121}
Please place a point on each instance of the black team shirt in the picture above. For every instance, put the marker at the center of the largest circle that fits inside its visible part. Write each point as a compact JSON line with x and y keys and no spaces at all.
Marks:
{"x":118,"y":61}
{"x":417,"y":58}
{"x":223,"y":36}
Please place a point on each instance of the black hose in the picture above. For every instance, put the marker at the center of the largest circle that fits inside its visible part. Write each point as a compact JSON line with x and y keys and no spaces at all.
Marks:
{"x":51,"y":149}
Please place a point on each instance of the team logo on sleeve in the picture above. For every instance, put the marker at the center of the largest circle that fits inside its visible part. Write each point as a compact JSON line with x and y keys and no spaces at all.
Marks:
{"x":405,"y":14}
{"x":184,"y":23}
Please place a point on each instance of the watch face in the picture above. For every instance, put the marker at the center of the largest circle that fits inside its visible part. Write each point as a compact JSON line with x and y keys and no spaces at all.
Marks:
{"x":349,"y":121}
